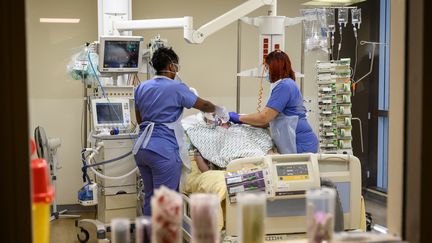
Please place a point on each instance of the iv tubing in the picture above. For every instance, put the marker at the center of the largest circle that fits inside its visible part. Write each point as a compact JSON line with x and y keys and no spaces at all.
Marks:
{"x":340,"y":42}
{"x":97,"y":77}
{"x":356,"y":58}
{"x":371,"y":64}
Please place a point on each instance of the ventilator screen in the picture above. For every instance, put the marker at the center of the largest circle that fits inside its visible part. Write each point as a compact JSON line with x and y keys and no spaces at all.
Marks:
{"x":109,"y":113}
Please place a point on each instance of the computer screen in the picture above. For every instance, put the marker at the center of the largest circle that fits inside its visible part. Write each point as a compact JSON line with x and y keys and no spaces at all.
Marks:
{"x":109,"y":113}
{"x":121,"y":54}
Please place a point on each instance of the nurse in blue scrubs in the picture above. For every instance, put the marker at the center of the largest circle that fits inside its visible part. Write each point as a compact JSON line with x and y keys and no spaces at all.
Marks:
{"x":284,"y":112}
{"x":160,"y":151}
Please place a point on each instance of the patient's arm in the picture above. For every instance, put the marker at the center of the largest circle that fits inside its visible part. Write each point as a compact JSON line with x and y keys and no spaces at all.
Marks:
{"x":201,"y":162}
{"x":271,"y":152}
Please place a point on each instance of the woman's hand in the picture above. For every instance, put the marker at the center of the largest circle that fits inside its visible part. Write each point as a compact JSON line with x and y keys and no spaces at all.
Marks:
{"x":234,"y":117}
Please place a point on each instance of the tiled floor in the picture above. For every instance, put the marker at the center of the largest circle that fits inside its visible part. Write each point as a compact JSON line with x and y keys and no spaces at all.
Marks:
{"x":378,"y":211}
{"x":64,"y":231}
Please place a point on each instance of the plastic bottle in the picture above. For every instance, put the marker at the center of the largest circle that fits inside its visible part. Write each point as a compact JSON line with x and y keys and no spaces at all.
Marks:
{"x":143,"y":229}
{"x":120,"y":230}
{"x":43,"y":194}
{"x":251,"y":212}
{"x":320,"y":206}
{"x":204,"y":215}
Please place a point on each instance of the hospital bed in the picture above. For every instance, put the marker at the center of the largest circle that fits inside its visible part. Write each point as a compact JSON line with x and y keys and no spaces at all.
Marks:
{"x":285,"y":213}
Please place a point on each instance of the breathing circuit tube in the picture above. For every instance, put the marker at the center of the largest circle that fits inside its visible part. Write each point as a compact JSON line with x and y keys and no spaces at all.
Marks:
{"x":86,"y":166}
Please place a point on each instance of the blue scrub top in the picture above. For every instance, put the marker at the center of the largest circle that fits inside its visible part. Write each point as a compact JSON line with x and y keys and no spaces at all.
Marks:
{"x":161,"y":100}
{"x":286,"y":98}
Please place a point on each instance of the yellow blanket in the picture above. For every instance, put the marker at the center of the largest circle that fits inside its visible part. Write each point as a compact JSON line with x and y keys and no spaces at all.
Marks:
{"x":212,"y":181}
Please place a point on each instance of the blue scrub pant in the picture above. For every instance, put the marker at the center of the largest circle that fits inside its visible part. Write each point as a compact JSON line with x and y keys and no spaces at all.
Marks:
{"x":157,"y":170}
{"x":306,"y":140}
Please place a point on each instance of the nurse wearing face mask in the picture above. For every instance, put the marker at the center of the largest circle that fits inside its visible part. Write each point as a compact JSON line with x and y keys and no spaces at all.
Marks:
{"x":284,"y":111}
{"x":160,"y":151}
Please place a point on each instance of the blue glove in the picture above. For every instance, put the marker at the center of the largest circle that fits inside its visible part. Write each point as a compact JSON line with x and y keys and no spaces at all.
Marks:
{"x":234,"y":117}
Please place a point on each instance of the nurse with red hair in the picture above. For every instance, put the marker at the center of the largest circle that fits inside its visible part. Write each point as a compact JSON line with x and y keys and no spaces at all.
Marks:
{"x":284,"y":112}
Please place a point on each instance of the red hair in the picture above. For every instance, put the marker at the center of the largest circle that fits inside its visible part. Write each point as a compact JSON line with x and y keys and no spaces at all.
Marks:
{"x":279,"y":66}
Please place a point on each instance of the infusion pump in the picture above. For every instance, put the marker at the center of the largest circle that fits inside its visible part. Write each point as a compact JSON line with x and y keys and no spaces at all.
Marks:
{"x":285,"y":179}
{"x":283,"y":176}
{"x":291,"y":175}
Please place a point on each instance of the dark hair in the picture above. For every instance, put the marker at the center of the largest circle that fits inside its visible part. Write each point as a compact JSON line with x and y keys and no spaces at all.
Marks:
{"x":163,"y":57}
{"x":279,"y":66}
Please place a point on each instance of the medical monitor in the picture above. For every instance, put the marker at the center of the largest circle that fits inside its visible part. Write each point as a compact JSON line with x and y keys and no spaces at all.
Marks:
{"x":120,"y":54}
{"x":111,"y":113}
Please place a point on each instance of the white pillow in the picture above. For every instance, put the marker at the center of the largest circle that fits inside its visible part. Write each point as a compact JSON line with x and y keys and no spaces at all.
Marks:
{"x":192,"y":120}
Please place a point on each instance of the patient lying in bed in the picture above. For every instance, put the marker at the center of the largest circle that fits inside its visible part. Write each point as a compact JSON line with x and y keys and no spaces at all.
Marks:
{"x":218,"y":144}
{"x":215,"y":145}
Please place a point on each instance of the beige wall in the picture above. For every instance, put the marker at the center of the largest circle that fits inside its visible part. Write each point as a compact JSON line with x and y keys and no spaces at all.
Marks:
{"x":211,"y":66}
{"x":55,"y":100}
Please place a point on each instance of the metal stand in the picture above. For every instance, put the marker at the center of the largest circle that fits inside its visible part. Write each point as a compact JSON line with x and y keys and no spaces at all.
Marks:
{"x":238,"y":87}
{"x":57,"y":214}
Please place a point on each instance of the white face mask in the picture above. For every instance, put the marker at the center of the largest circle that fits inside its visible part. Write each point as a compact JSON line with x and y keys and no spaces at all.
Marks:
{"x":267,"y":76}
{"x":177,"y":76}
{"x":177,"y":67}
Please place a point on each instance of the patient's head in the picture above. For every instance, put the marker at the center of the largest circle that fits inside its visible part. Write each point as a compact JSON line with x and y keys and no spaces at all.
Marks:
{"x":209,"y":119}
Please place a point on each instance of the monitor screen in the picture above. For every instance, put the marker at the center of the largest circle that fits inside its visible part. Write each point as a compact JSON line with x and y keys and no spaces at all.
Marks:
{"x":121,"y":54}
{"x":109,"y":113}
{"x":292,"y":172}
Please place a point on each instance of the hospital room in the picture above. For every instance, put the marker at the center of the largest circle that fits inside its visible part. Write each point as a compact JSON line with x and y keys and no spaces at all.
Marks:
{"x":230,"y":121}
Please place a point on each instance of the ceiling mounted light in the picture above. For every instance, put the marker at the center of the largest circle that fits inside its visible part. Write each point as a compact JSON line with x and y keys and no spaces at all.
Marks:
{"x":59,"y":20}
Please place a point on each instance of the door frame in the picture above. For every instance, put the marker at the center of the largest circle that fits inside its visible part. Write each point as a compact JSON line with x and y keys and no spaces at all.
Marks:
{"x":14,"y":99}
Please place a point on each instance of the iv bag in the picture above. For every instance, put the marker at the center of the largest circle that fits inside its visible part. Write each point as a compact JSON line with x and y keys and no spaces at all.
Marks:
{"x":314,"y":29}
{"x":356,"y":17}
{"x":343,"y":16}
{"x":79,"y":67}
{"x":330,"y":19}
